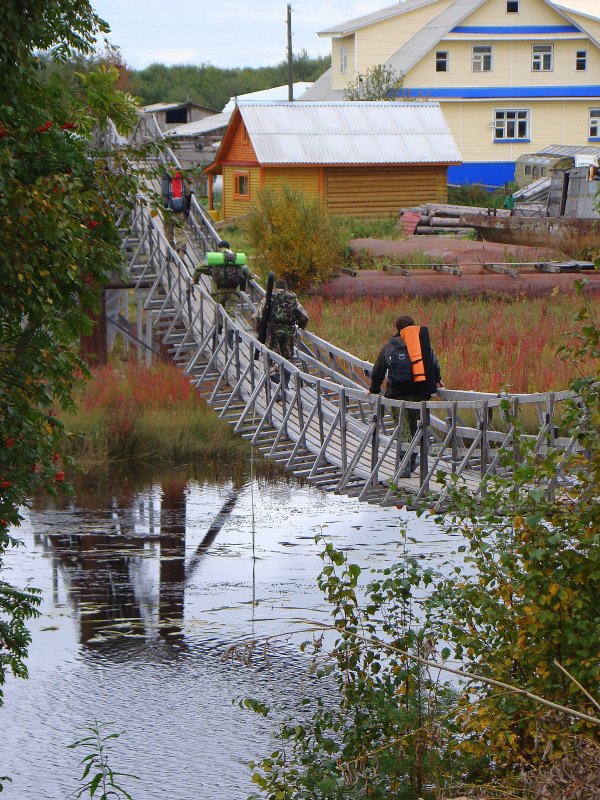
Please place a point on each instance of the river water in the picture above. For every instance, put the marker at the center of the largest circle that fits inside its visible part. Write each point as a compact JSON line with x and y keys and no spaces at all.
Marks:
{"x":146,"y":584}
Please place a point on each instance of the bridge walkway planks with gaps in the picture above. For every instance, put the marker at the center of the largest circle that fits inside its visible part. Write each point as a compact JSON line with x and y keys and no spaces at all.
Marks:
{"x":313,"y":416}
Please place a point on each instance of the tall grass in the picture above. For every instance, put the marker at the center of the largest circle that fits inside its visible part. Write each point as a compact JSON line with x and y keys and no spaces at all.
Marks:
{"x":485,"y":344}
{"x":356,"y":228}
{"x":139,"y":414}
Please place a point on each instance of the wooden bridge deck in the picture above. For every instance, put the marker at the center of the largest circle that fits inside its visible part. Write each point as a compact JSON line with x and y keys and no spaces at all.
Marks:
{"x":314,"y":416}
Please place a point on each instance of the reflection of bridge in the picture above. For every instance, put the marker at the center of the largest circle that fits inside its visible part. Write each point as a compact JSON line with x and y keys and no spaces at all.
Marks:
{"x":315,"y":418}
{"x":126,"y":575}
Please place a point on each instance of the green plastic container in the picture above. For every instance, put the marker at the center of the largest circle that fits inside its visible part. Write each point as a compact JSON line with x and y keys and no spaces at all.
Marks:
{"x":216,"y":259}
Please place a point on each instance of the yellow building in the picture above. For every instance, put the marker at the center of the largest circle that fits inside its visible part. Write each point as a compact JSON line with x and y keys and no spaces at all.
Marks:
{"x":511,"y":76}
{"x":362,"y":159}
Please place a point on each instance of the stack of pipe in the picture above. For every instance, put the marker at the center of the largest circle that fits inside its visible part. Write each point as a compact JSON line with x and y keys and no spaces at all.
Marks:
{"x":444,"y":219}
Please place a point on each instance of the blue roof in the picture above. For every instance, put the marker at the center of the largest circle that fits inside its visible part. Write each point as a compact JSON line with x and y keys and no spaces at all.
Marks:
{"x":501,"y":92}
{"x":516,"y":29}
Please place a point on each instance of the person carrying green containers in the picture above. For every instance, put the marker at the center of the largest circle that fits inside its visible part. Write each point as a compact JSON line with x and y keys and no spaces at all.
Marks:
{"x":228,"y":272}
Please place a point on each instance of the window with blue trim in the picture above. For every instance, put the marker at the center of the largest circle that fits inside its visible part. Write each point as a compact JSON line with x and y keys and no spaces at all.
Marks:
{"x":511,"y":124}
{"x":594,"y":123}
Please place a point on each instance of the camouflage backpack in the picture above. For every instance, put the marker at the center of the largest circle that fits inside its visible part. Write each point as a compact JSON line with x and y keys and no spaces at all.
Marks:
{"x":283,"y":310}
{"x":227,"y":275}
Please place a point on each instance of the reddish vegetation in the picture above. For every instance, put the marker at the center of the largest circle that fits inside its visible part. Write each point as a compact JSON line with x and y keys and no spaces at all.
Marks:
{"x":159,"y":388}
{"x":482,"y":344}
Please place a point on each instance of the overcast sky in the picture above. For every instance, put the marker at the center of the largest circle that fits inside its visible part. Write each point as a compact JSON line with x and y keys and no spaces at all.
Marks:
{"x":226,"y":33}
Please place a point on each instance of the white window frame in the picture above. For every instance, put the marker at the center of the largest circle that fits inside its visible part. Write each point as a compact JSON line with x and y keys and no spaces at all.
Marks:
{"x":542,"y":57}
{"x":442,"y":56}
{"x":343,"y":58}
{"x":581,"y":57}
{"x":507,"y":118}
{"x":482,"y":58}
{"x":594,"y":123}
{"x":512,"y":10}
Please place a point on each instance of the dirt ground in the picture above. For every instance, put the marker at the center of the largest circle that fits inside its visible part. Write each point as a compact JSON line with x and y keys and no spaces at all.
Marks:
{"x":469,"y":255}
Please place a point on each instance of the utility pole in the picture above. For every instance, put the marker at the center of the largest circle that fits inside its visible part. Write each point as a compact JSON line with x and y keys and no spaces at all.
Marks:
{"x":289,"y":55}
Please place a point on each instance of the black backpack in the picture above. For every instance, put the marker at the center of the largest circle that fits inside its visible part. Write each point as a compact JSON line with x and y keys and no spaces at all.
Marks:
{"x":399,"y":367}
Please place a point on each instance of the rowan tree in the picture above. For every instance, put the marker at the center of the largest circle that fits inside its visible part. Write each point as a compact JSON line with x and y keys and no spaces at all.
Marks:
{"x":59,"y":244}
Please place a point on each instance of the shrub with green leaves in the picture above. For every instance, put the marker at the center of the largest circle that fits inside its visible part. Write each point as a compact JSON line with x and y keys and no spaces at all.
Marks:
{"x":522,"y":620}
{"x":293,"y":235}
{"x":381,"y":735}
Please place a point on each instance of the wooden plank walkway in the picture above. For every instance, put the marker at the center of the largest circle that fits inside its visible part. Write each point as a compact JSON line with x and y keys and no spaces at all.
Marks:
{"x":314,"y":416}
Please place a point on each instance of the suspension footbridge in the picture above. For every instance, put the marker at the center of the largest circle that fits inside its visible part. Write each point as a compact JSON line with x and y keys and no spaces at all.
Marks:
{"x":314,"y":416}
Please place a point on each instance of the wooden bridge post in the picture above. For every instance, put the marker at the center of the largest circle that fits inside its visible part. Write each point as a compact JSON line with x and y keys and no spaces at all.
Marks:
{"x":139,"y":300}
{"x":399,"y":451}
{"x":342,"y":406}
{"x":453,"y":416}
{"x":484,"y":444}
{"x":320,"y":412}
{"x":148,"y":338}
{"x":516,"y":449}
{"x":424,"y":448}
{"x":378,"y":419}
{"x":550,"y":420}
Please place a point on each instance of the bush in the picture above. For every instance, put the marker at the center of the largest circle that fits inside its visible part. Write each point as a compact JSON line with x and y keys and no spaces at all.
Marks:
{"x":475,"y":194}
{"x":294,"y":236}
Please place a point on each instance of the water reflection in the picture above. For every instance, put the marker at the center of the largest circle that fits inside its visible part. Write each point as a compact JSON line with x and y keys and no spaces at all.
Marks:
{"x":146,"y":582}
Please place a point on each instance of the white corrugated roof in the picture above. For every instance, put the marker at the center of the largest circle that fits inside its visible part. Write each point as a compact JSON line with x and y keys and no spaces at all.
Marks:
{"x":321,"y":90}
{"x":349,"y":133}
{"x":205,"y":125}
{"x":351,"y":25}
{"x":275,"y":93}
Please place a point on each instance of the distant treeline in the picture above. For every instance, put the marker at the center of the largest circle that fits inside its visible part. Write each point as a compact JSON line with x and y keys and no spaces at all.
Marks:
{"x":213,"y":86}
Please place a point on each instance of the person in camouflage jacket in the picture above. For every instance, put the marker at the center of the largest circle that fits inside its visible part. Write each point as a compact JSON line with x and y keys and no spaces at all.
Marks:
{"x":286,"y":315}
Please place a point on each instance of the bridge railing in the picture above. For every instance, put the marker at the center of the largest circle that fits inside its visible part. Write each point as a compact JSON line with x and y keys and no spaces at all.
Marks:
{"x":325,"y":427}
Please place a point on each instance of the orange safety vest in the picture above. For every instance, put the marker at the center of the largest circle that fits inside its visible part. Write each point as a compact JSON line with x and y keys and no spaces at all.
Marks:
{"x":410,"y":337}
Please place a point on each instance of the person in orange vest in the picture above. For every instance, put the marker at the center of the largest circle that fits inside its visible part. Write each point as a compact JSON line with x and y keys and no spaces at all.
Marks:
{"x":412,"y":369}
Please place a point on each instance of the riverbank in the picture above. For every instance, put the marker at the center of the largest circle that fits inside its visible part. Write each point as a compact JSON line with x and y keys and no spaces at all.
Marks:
{"x":130,"y":414}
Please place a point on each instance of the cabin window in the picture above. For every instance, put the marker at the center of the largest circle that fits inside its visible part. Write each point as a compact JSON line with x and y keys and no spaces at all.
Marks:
{"x":581,"y":61}
{"x":241,"y":186}
{"x":594,"y":123}
{"x":527,"y":169}
{"x":441,"y":61}
{"x":511,"y":124}
{"x":343,"y":59}
{"x":542,"y":57}
{"x":543,"y":172}
{"x":535,"y":172}
{"x":512,"y":6}
{"x":482,"y":58}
